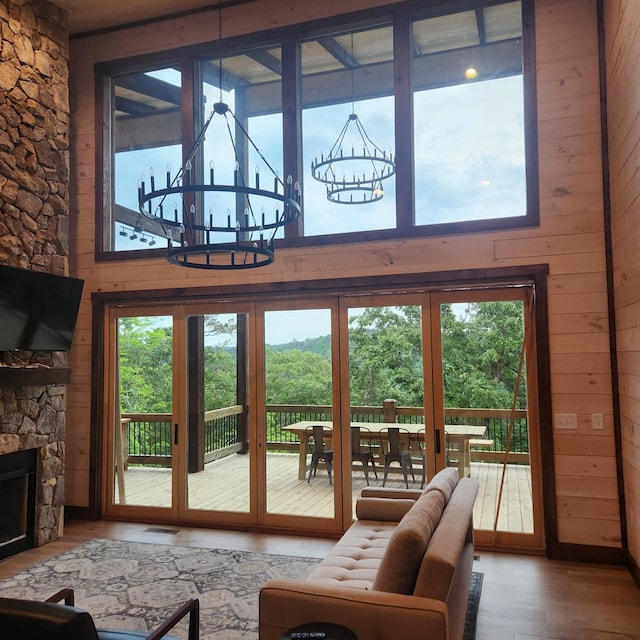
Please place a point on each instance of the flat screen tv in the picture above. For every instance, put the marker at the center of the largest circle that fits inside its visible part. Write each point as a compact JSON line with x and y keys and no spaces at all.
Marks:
{"x":38,"y":311}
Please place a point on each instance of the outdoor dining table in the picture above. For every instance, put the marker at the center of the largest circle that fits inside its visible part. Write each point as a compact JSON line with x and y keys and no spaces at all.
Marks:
{"x":457,"y":434}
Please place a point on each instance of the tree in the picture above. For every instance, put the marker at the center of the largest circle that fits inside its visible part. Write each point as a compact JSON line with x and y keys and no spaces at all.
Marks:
{"x":481,"y":345}
{"x":297,"y":377}
{"x":145,"y":365}
{"x":480,"y":354}
{"x":385,"y":356}
{"x":220,"y":380}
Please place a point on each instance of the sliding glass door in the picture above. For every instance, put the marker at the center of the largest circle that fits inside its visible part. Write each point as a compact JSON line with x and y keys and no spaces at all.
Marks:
{"x":299,"y":422}
{"x":386,"y":342}
{"x":486,"y":399}
{"x":218,"y":452}
{"x":277,"y":413}
{"x":141,"y":413}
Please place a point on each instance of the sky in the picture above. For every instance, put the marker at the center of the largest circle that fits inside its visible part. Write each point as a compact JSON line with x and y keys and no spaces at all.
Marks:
{"x":468,"y":148}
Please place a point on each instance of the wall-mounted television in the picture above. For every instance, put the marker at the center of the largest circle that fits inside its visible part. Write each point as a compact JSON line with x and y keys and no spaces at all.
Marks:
{"x":38,"y":311}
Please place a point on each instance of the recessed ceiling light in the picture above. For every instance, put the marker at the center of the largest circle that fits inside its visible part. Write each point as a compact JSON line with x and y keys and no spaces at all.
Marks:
{"x":485,"y":183}
{"x":471,"y":73}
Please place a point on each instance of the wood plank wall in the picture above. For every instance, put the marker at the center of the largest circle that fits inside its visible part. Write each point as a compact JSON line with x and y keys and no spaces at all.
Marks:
{"x":622,"y":48}
{"x":570,"y":239}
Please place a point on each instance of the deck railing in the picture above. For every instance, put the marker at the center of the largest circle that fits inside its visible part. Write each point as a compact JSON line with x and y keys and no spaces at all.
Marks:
{"x":147,"y":437}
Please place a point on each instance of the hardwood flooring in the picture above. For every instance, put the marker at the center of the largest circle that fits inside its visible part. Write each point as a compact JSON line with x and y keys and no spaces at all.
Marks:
{"x":523,"y":597}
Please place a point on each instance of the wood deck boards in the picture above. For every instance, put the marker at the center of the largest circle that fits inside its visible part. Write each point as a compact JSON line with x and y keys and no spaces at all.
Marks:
{"x":224,"y":486}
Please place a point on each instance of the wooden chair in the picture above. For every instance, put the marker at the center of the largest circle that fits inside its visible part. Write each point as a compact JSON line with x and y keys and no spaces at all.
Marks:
{"x":363,"y":453}
{"x":395,"y":443}
{"x":57,"y":620}
{"x":318,"y":451}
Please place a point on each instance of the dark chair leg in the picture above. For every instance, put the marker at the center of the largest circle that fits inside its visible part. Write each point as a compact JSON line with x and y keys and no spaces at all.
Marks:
{"x":403,"y":464}
{"x":312,"y":468}
{"x":365,"y":463}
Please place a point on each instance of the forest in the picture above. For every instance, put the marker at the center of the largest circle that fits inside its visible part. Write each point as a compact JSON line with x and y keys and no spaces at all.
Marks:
{"x":481,"y":345}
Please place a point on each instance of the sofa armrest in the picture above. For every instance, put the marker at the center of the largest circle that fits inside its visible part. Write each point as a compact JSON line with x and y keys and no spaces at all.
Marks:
{"x":390,"y":492}
{"x":285,"y":605}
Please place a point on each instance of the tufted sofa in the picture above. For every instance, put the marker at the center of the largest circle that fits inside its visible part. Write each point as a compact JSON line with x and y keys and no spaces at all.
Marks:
{"x":402,"y":570}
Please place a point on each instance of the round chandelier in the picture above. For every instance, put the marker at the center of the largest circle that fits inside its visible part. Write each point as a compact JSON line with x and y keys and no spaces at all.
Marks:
{"x":355,"y":166}
{"x":211,"y":224}
{"x":354,"y":177}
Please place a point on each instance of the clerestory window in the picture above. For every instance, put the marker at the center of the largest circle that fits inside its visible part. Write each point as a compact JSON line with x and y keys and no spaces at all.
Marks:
{"x":444,"y":96}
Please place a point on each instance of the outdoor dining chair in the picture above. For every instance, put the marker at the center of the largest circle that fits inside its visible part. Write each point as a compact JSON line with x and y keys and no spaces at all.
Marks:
{"x":362,"y":450}
{"x":318,"y":451}
{"x":395,"y":443}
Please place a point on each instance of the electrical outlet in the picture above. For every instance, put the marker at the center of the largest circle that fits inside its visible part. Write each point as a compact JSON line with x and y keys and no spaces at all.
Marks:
{"x":597,"y":421}
{"x":566,"y":420}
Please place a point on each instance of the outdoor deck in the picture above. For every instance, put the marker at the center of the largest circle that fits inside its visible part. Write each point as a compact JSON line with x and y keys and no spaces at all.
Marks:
{"x":224,"y":486}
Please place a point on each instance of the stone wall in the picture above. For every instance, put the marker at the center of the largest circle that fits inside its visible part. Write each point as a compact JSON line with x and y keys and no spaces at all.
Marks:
{"x":34,"y":221}
{"x":34,"y":136}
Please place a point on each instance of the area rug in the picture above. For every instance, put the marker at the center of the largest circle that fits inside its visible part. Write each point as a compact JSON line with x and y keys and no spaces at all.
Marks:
{"x":130,"y":585}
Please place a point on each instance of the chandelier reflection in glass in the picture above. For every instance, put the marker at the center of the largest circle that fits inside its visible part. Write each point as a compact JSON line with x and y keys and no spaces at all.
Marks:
{"x":225,"y":225}
{"x":355,"y":166}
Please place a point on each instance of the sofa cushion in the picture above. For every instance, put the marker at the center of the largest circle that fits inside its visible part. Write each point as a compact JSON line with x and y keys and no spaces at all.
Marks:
{"x":447,"y":543}
{"x":401,"y":561}
{"x":354,"y":560}
{"x":444,"y":481}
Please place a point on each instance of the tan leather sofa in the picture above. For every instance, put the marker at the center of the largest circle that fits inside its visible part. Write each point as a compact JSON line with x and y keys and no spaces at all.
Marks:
{"x":402,"y":570}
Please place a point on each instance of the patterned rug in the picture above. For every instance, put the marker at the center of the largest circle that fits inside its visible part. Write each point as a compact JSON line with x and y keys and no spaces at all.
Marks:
{"x":136,"y":586}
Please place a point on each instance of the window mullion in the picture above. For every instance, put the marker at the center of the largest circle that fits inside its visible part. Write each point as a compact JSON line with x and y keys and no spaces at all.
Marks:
{"x":402,"y":63}
{"x":291,"y":119}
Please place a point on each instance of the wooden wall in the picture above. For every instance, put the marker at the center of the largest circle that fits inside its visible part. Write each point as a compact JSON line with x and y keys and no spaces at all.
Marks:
{"x":570,"y":239}
{"x":622,"y":47}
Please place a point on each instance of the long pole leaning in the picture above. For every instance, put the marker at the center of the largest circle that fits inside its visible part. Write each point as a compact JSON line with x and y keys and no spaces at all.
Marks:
{"x":514,"y":406}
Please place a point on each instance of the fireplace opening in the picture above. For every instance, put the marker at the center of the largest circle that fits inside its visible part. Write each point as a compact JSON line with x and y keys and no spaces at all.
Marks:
{"x":17,"y":501}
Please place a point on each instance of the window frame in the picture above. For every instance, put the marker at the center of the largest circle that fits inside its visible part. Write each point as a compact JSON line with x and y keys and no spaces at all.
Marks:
{"x":401,"y":16}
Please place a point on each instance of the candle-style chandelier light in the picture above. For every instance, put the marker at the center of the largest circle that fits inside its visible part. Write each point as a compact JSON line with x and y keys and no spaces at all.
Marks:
{"x":201,"y":232}
{"x":355,"y":166}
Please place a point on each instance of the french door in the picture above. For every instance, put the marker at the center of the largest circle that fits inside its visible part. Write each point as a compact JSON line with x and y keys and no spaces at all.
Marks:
{"x":484,"y":342}
{"x":213,"y":407}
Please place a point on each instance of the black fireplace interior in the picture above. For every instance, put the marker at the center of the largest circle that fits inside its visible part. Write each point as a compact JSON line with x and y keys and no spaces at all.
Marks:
{"x":17,"y":501}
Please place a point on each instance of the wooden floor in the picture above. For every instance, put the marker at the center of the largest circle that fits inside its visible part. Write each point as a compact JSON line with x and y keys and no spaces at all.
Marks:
{"x":523,"y":598}
{"x":224,"y":486}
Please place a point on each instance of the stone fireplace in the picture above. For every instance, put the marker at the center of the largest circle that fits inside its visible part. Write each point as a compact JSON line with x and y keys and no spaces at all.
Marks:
{"x":34,"y":222}
{"x":17,"y":501}
{"x":33,"y":418}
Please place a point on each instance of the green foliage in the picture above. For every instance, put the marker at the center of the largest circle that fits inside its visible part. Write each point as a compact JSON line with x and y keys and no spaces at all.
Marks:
{"x":297,"y":377}
{"x":146,"y":367}
{"x":385,"y":356}
{"x":480,"y":355}
{"x":481,"y":345}
{"x":219,"y":378}
{"x":320,"y":345}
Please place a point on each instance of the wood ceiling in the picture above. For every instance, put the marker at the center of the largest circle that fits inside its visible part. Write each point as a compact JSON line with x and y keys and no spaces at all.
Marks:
{"x":86,"y":16}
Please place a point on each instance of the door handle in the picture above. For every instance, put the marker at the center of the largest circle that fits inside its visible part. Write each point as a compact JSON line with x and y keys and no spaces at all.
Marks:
{"x":175,"y":434}
{"x":437,"y":437}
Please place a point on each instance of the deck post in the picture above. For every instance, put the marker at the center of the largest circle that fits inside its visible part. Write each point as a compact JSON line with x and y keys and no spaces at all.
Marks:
{"x":390,"y":411}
